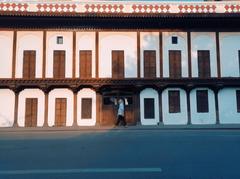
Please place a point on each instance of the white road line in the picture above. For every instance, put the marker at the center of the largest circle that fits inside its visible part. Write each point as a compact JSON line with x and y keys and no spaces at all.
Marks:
{"x":81,"y":170}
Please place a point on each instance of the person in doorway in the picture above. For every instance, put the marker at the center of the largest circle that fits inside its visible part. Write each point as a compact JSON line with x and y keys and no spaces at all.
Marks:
{"x":120,"y":113}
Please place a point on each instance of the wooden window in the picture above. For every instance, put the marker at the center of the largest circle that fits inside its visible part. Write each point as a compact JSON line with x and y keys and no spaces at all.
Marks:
{"x":149,"y":63}
{"x":149,"y":111}
{"x":85,"y":64}
{"x":59,"y":64}
{"x":29,"y":64}
{"x":60,"y":112}
{"x":239,"y":61}
{"x":59,"y":39}
{"x":117,"y":64}
{"x":204,"y":70}
{"x":238,"y":100}
{"x":174,"y":101}
{"x":86,"y":108}
{"x":175,"y":67}
{"x":31,"y":106}
{"x":174,"y":40}
{"x":202,"y":101}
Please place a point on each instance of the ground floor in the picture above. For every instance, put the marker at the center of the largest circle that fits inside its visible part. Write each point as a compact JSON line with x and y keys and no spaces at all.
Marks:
{"x":59,"y":107}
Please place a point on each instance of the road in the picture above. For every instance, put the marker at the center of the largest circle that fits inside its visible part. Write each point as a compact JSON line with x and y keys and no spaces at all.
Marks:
{"x":168,"y":154}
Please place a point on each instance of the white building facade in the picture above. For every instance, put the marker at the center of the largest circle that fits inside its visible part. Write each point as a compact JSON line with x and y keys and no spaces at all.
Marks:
{"x":64,"y":64}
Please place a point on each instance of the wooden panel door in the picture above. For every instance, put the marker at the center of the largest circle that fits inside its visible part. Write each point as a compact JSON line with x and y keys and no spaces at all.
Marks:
{"x":204,"y":64}
{"x":117,"y":64}
{"x":59,"y":64}
{"x":60,"y":112}
{"x":175,"y":67}
{"x":150,"y":64}
{"x":31,"y":106}
{"x":29,"y":64}
{"x":86,"y":108}
{"x":85,"y":63}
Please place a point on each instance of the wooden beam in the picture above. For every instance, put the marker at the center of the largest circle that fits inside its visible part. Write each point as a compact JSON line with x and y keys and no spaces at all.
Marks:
{"x":14,"y":52}
{"x":74,"y":55}
{"x":46,"y":110}
{"x":44,"y":54}
{"x":161,"y":53}
{"x":138,"y":55}
{"x":97,"y":54}
{"x":15,"y":124}
{"x":218,"y":55}
{"x":189,"y":54}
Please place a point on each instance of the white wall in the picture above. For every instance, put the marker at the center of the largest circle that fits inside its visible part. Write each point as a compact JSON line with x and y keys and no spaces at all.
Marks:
{"x":29,"y":40}
{"x":203,"y":118}
{"x":174,"y":118}
{"x":149,"y":41}
{"x":149,"y":93}
{"x":229,"y":46}
{"x":204,"y":41}
{"x":86,"y":93}
{"x":31,"y":93}
{"x":228,"y":106}
{"x":6,"y":48}
{"x":85,"y":41}
{"x":7,"y":102}
{"x":60,"y":93}
{"x":52,"y":45}
{"x":182,"y":46}
{"x":109,"y":41}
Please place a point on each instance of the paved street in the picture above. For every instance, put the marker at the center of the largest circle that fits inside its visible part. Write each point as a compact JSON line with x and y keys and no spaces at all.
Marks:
{"x":168,"y":154}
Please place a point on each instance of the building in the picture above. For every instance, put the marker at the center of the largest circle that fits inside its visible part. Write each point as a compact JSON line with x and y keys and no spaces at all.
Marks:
{"x":61,"y":64}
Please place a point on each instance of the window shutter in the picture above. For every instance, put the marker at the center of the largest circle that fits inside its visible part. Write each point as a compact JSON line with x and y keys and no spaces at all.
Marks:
{"x":85,"y":64}
{"x":202,"y":101}
{"x":149,"y":64}
{"x":29,"y":66}
{"x":59,"y":64}
{"x":31,"y":112}
{"x":204,"y":70}
{"x":86,"y":108}
{"x":238,"y":100}
{"x":175,"y":67}
{"x":174,"y":101}
{"x":149,"y":110}
{"x":117,"y":64}
{"x":60,"y":111}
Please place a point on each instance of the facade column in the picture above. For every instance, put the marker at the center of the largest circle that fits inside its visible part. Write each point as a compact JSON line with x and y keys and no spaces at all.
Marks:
{"x":14,"y":52}
{"x":188,"y":91}
{"x":218,"y":55}
{"x":75,"y":92}
{"x":97,"y":54}
{"x":46,"y":93}
{"x":161,"y":53}
{"x":15,"y":124}
{"x":216,"y":90}
{"x":160,"y":106}
{"x":74,"y":55}
{"x":189,"y":54}
{"x":138,"y":55}
{"x":98,"y":107}
{"x":137,"y":107}
{"x":44,"y":54}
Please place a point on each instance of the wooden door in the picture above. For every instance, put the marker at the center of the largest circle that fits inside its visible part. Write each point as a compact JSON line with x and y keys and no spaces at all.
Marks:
{"x":175,"y":67}
{"x":150,"y":64}
{"x":85,"y":63}
{"x":59,"y":64}
{"x":29,"y":64}
{"x":117,"y":64}
{"x":204,"y":64}
{"x":60,"y":112}
{"x":86,"y":111}
{"x":31,"y":106}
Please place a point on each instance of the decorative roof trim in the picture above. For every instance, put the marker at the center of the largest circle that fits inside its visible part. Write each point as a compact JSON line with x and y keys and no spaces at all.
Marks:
{"x":119,"y":7}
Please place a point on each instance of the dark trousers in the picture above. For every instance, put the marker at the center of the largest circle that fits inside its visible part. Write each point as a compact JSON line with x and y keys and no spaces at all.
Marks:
{"x":121,"y":119}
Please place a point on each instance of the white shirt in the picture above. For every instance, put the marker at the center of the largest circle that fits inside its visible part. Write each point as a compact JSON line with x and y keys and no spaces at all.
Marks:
{"x":121,"y":109}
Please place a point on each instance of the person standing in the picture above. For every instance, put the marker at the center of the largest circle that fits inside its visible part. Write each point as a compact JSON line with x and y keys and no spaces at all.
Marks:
{"x":120,"y":113}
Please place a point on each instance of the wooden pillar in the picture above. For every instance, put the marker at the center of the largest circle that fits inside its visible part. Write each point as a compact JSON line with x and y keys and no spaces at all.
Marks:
{"x":46,"y":93}
{"x":74,"y":55}
{"x":14,"y":54}
{"x":98,"y":108}
{"x":15,"y":124}
{"x":44,"y":54}
{"x":75,"y":107}
{"x":189,"y":54}
{"x":137,"y":107}
{"x":161,"y":54}
{"x":216,"y":105}
{"x":160,"y":106}
{"x":218,"y":55}
{"x":188,"y":106}
{"x":138,"y":55}
{"x":97,"y":54}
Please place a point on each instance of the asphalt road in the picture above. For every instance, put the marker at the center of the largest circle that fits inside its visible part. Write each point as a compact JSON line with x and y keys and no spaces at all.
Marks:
{"x":168,"y":154}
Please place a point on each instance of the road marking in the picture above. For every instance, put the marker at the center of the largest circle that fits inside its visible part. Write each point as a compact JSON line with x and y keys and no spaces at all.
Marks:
{"x":81,"y":170}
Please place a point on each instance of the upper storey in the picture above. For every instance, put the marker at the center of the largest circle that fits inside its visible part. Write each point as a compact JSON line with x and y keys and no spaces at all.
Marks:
{"x":70,"y":7}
